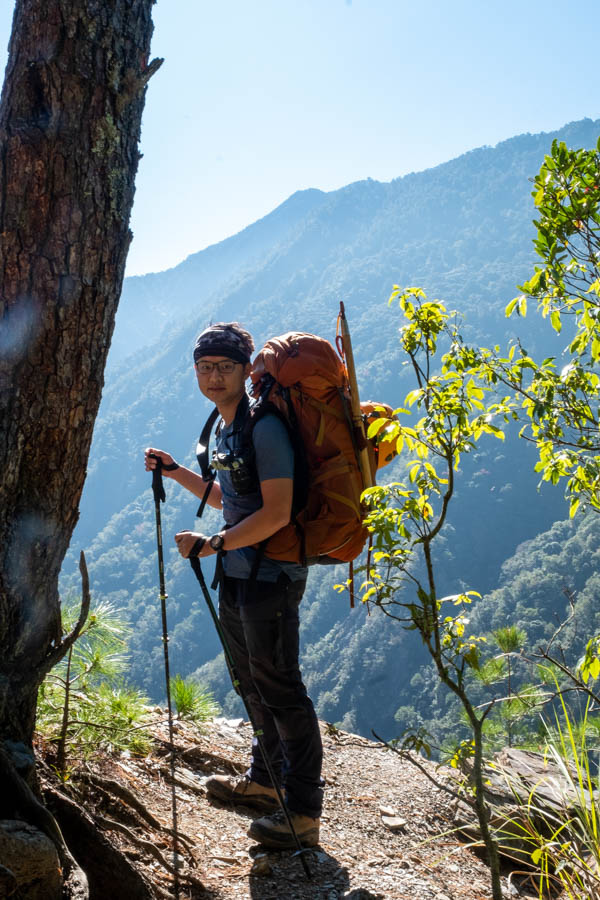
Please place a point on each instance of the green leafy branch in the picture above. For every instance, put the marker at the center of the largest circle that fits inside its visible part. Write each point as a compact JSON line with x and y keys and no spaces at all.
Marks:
{"x":443,"y":417}
{"x":560,"y":404}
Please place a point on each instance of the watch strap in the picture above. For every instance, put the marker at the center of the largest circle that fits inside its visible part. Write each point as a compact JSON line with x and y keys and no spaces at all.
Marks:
{"x":216,"y":542}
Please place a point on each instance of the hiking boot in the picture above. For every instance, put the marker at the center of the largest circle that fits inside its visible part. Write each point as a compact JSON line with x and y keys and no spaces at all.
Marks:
{"x":236,"y":789}
{"x":274,"y":831}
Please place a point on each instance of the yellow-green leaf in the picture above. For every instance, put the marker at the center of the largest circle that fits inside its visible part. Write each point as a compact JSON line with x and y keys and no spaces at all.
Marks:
{"x":510,"y":308}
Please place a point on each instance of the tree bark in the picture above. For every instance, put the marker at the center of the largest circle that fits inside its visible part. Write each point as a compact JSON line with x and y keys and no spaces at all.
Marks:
{"x":70,"y":116}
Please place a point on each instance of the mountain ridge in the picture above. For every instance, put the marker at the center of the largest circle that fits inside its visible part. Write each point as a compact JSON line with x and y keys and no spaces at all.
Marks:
{"x":250,"y":241}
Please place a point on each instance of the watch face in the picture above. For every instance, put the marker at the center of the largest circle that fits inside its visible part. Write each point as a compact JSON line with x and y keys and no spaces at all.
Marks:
{"x":217,"y":541}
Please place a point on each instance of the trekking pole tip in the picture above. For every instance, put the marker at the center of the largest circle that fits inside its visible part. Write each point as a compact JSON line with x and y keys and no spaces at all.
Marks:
{"x":302,"y":853}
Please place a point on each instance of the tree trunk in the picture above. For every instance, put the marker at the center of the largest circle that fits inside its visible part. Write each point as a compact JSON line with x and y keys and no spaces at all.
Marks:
{"x":70,"y":118}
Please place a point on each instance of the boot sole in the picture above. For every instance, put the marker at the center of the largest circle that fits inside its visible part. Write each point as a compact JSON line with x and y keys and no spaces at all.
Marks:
{"x":283,"y":841}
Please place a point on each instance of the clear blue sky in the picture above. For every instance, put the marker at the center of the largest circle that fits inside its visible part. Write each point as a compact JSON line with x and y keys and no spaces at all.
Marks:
{"x":259,"y":99}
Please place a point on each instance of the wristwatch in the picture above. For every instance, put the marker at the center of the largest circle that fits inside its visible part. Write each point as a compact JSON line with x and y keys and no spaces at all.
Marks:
{"x":216,"y":542}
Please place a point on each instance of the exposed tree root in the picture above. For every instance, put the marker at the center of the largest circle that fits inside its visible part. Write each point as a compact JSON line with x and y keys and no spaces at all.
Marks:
{"x":88,"y":833}
{"x":36,"y":814}
{"x":104,"y":863}
{"x":148,"y":847}
{"x":111,"y":789}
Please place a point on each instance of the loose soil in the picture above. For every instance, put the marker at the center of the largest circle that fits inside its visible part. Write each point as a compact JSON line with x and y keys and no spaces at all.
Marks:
{"x":386,"y":830}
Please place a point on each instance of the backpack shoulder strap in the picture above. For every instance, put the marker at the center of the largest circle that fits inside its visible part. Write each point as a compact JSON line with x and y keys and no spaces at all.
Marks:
{"x":240,"y":435}
{"x":208,"y":473}
{"x":203,"y":445}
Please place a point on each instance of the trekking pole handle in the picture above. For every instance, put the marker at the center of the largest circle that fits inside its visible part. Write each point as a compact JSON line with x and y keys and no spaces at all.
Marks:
{"x":157,"y":482}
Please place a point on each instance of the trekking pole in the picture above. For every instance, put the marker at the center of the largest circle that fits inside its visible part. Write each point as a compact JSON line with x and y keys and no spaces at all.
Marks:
{"x":256,"y":732}
{"x":159,"y":497}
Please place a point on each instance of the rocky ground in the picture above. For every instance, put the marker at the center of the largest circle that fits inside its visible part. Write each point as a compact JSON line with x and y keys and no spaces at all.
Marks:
{"x":386,"y":830}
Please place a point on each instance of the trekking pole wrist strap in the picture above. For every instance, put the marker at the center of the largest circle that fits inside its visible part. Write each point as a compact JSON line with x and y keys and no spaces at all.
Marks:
{"x":197,"y":547}
{"x":171,"y":467}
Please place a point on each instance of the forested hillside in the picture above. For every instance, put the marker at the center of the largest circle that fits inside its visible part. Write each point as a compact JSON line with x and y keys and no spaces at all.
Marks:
{"x":463,"y":232}
{"x":548,"y":587}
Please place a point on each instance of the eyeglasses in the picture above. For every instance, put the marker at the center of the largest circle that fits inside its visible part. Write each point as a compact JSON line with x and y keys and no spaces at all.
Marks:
{"x":224,"y":366}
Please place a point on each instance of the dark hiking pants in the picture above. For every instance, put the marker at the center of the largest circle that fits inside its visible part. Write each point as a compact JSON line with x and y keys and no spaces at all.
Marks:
{"x":260,"y":621}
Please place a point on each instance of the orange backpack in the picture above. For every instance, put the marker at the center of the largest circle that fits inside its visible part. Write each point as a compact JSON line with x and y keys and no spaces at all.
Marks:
{"x":303,"y":378}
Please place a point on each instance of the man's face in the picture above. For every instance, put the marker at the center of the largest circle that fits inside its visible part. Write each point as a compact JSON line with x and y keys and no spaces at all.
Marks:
{"x":221,"y":387}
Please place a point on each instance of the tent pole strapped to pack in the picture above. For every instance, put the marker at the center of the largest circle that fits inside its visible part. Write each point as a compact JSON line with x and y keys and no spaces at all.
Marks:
{"x":344,"y":344}
{"x":357,"y":420}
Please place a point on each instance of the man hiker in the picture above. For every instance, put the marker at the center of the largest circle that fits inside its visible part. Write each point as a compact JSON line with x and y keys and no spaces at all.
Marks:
{"x":258,"y":610}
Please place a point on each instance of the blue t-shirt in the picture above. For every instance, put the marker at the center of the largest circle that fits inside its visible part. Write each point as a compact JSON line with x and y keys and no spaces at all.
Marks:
{"x":274,"y":458}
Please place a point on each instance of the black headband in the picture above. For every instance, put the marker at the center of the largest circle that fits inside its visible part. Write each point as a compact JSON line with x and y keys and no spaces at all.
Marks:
{"x":217,"y":348}
{"x":223,"y":340}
